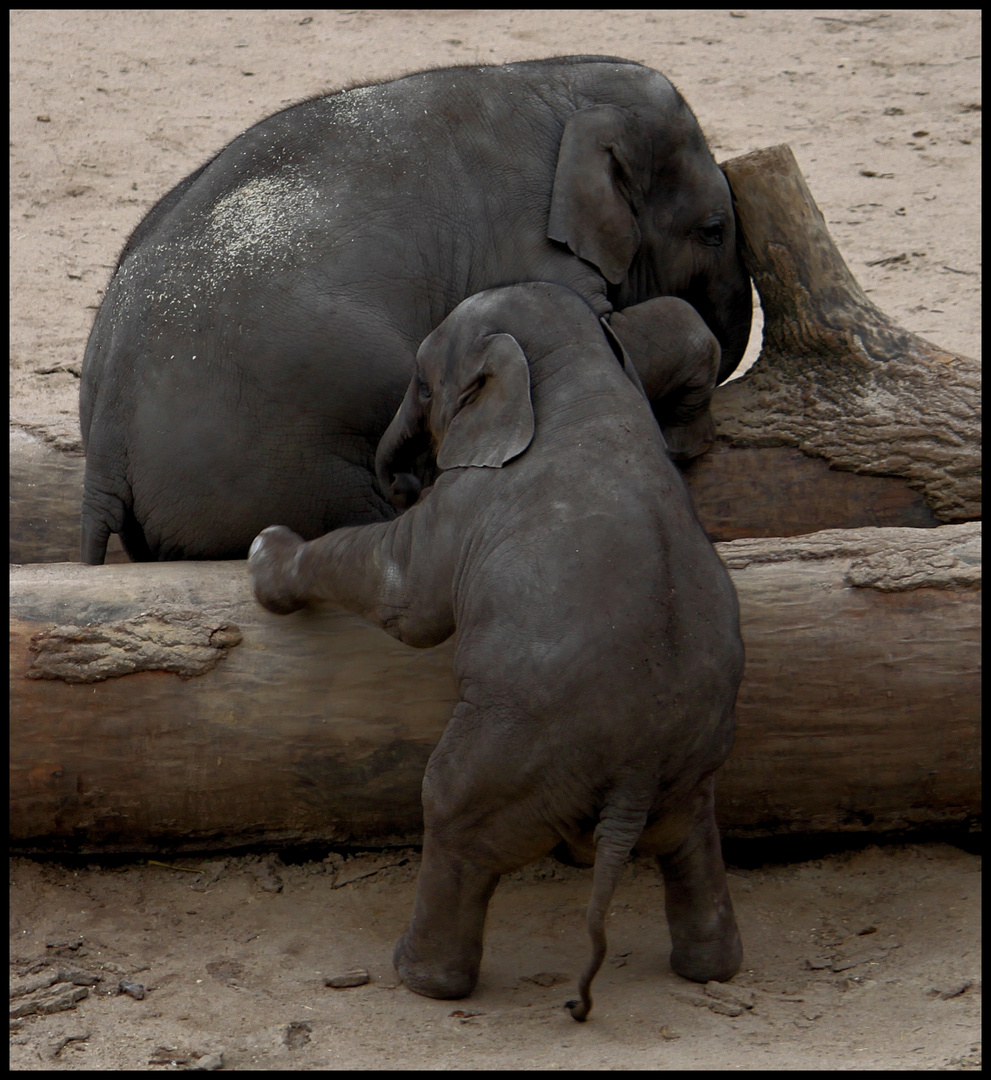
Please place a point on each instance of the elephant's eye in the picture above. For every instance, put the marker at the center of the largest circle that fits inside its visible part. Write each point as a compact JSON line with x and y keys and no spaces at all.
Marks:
{"x":423,"y":391}
{"x":472,"y":392}
{"x":711,"y":233}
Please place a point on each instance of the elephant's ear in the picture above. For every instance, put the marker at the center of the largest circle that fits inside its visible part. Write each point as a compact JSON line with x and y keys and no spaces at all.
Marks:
{"x":590,"y":203}
{"x":495,"y":424}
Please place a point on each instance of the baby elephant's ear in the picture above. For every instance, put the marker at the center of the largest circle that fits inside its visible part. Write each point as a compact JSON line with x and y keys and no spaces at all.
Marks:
{"x":495,"y":424}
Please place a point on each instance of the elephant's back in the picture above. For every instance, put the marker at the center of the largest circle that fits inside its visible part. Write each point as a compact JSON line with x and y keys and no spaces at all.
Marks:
{"x":405,"y":187}
{"x":297,"y":189}
{"x":264,"y":259}
{"x":595,"y":588}
{"x":332,"y":201}
{"x":595,"y":582}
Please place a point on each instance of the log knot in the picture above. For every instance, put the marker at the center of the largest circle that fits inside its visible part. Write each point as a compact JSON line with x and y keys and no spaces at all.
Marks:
{"x":186,"y":643}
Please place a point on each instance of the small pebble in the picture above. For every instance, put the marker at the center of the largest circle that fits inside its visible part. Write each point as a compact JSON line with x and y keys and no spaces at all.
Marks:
{"x":132,"y":989}
{"x":207,"y":1063}
{"x":358,"y":977}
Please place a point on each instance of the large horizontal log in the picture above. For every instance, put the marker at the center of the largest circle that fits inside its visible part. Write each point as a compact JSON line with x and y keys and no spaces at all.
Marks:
{"x":157,"y":707}
{"x":738,"y":491}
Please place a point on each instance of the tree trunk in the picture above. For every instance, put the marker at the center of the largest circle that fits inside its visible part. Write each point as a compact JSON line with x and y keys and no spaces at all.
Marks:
{"x":159,"y":707}
{"x":886,"y":425}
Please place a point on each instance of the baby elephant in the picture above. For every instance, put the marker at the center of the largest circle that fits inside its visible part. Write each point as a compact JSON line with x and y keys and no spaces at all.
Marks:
{"x":598,"y":651}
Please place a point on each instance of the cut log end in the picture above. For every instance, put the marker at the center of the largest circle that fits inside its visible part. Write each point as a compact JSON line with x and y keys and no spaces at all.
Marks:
{"x":837,"y":378}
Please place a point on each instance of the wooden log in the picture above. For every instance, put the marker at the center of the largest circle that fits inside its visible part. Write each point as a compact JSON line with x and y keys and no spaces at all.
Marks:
{"x":46,"y":492}
{"x":860,"y":703}
{"x":157,"y":707}
{"x":886,"y":425}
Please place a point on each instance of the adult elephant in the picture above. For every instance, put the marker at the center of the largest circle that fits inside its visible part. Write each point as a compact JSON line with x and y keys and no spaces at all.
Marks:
{"x":261,"y":325}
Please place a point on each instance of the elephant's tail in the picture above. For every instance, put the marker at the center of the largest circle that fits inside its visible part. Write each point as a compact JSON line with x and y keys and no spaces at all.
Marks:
{"x":101,"y":516}
{"x":618,"y":830}
{"x":107,"y":509}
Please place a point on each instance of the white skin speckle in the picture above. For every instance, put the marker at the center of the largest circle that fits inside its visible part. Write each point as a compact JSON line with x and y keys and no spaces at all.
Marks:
{"x":258,"y":223}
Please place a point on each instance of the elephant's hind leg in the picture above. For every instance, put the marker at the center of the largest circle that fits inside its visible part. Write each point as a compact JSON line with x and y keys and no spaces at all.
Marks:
{"x":440,"y":954}
{"x":704,"y":935}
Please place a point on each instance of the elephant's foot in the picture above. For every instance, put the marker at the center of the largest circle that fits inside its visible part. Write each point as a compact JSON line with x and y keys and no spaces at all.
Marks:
{"x":702,"y":959}
{"x":272,"y":563}
{"x":704,"y":936}
{"x":433,"y":980}
{"x":441,"y":952}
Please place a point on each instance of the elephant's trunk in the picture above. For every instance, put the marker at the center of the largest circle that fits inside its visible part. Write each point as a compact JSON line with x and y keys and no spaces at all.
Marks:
{"x":727,"y":308}
{"x":404,"y":442}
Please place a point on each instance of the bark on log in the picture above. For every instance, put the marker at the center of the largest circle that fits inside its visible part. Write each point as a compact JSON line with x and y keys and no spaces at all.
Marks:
{"x":169,"y":712}
{"x":46,"y":488}
{"x":886,"y":425}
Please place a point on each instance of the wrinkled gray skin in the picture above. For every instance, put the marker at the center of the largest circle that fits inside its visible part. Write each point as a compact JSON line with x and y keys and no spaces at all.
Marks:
{"x":598,"y":650}
{"x":260,"y":328}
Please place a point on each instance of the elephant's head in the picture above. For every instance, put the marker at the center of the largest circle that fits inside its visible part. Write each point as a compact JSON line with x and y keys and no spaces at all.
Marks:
{"x":638,"y":195}
{"x":469,"y":399}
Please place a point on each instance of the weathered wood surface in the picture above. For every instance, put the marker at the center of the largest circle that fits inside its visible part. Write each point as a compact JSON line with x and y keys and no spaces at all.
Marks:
{"x":893,"y":420}
{"x":859,"y":707}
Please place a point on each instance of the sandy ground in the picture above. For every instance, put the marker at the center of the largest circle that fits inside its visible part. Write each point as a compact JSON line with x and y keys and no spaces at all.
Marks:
{"x":855,"y":961}
{"x":866,"y":960}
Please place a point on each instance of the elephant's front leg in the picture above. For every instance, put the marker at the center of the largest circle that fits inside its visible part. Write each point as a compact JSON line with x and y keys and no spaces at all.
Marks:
{"x":704,"y":936}
{"x":273,"y":564}
{"x":362,"y":568}
{"x":440,"y":953}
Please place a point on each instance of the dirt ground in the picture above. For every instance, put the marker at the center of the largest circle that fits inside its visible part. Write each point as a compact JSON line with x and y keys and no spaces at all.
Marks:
{"x":853,"y":961}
